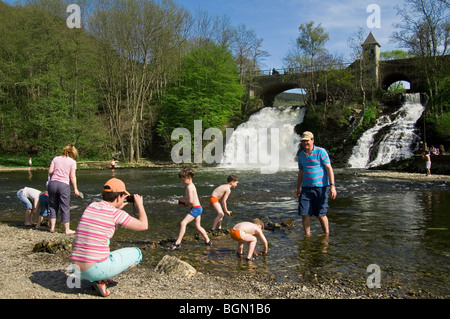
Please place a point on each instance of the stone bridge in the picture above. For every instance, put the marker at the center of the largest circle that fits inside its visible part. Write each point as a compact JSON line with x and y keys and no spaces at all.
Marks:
{"x":381,"y":73}
{"x":389,"y":72}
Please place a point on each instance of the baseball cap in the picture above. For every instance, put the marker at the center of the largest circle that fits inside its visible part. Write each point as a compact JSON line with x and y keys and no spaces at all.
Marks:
{"x":307,"y":135}
{"x":115,"y":185}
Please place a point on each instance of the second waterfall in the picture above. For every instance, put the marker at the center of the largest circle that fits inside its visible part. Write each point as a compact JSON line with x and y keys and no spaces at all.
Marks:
{"x":399,"y":142}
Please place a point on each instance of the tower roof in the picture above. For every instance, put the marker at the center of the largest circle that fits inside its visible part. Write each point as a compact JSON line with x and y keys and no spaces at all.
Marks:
{"x":371,"y":40}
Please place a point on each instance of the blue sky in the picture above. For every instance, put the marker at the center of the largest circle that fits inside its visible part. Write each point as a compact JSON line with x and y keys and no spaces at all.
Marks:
{"x":277,"y":21}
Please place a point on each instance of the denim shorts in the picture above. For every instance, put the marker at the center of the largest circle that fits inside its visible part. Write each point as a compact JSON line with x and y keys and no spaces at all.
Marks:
{"x":25,"y":200}
{"x":313,"y":201}
{"x":43,"y":204}
{"x":118,"y":261}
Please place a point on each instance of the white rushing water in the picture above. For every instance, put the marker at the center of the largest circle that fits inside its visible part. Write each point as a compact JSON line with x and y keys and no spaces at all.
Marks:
{"x":399,"y":143}
{"x":266,"y":141}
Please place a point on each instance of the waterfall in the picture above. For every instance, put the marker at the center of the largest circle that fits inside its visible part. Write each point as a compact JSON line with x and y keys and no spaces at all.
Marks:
{"x":266,"y":140}
{"x":400,"y":140}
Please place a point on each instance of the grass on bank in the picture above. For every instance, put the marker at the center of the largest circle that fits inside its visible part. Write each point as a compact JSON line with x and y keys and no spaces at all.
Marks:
{"x":11,"y":160}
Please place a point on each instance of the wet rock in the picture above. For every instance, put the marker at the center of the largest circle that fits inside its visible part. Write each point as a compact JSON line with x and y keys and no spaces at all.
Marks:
{"x":272,"y":225}
{"x":218,"y":232}
{"x":52,"y":246}
{"x":173,"y":266}
{"x":288,"y":222}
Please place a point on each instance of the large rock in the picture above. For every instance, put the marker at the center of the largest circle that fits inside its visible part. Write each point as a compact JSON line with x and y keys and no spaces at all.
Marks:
{"x":289,"y":222}
{"x":52,"y":247}
{"x":173,"y":266}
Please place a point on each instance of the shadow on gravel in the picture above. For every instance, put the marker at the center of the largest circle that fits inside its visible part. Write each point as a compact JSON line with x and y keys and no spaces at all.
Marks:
{"x":60,"y":281}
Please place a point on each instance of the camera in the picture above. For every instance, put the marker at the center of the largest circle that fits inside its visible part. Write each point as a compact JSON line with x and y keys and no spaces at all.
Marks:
{"x":129,"y":199}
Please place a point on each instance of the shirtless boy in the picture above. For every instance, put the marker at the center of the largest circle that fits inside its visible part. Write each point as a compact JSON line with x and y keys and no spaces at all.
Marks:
{"x":190,"y":200}
{"x":222,"y":192}
{"x":246,"y":232}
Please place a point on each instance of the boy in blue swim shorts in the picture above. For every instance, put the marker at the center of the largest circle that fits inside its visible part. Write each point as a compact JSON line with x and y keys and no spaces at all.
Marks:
{"x":195,"y":214}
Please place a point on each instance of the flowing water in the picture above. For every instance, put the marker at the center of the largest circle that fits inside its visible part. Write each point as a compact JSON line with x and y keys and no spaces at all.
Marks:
{"x":400,"y":140}
{"x":401,"y":226}
{"x":267,"y":141}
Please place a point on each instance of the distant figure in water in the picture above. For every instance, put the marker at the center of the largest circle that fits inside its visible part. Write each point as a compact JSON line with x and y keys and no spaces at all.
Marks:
{"x":427,"y":158}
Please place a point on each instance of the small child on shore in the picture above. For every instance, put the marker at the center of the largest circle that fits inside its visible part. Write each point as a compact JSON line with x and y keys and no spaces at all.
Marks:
{"x":246,"y":232}
{"x":190,"y":200}
{"x":222,"y":192}
{"x":43,"y":208}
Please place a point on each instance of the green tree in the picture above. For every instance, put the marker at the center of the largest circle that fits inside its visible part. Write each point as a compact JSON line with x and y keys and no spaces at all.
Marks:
{"x":424,"y":31}
{"x":48,"y":96}
{"x":207,"y":89}
{"x":138,"y":50}
{"x":312,"y":41}
{"x":393,"y":55}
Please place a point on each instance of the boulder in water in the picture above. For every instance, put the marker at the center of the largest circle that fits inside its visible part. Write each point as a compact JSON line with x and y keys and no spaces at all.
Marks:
{"x":289,"y":222}
{"x":173,"y":266}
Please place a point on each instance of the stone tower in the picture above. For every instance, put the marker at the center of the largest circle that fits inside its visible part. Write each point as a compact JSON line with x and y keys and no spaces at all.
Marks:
{"x":371,"y":61}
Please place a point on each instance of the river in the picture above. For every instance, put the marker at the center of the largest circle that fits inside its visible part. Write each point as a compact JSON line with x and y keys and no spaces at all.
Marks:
{"x":400,"y":226}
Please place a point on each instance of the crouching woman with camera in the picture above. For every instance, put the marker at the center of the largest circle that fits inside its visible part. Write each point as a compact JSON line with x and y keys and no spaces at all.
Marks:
{"x":91,"y":255}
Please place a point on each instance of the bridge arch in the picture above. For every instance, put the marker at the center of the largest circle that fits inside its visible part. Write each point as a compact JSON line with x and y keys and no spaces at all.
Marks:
{"x":393,"y":77}
{"x":269,"y":86}
{"x":268,"y":93}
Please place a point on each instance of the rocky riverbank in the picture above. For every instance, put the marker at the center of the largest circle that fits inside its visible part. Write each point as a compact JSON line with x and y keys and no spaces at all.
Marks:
{"x":35,"y":275}
{"x":38,"y":275}
{"x":435,"y":178}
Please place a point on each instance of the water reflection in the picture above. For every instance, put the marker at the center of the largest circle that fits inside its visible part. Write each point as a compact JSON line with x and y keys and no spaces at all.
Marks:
{"x":401,"y":226}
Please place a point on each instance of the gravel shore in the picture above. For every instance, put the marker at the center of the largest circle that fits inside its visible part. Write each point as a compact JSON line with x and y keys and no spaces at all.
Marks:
{"x":41,"y":275}
{"x":407,"y":176}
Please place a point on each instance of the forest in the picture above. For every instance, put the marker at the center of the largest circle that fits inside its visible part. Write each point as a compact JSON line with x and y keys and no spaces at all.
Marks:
{"x":137,"y":69}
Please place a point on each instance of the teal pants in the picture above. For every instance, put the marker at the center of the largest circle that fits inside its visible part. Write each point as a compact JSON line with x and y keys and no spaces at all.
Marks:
{"x":118,"y":261}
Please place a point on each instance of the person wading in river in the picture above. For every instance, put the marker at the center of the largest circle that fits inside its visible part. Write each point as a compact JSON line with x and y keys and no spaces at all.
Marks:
{"x":315,"y":176}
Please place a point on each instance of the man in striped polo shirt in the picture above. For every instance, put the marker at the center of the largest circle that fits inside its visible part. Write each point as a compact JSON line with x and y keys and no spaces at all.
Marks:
{"x":315,"y":176}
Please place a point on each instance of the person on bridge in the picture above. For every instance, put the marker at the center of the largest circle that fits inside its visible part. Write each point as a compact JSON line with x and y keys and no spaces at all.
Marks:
{"x":315,"y":181}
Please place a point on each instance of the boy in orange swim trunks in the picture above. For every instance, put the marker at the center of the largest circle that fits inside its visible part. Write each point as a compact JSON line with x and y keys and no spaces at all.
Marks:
{"x":245,"y":232}
{"x":223,"y":191}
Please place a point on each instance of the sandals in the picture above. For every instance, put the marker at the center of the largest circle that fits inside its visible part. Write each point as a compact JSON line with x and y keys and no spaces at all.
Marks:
{"x":209,"y":243}
{"x":246,"y":258}
{"x":100,"y":287}
{"x":175,"y":247}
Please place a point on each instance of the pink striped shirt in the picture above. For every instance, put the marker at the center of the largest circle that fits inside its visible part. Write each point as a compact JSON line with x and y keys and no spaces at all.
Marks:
{"x":96,"y":227}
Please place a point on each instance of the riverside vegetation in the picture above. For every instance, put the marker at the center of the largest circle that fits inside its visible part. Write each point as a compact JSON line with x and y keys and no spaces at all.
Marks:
{"x":119,"y":85}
